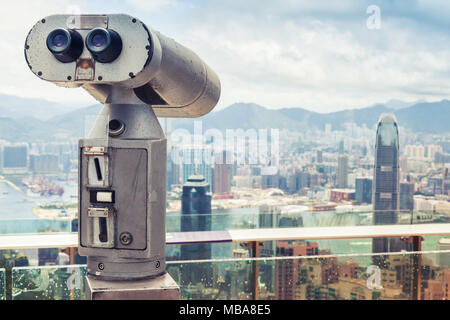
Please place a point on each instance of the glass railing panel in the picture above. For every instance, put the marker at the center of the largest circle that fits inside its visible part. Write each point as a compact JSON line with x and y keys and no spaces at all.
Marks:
{"x":290,"y":217}
{"x":2,"y":284}
{"x":390,"y":276}
{"x":214,"y":280}
{"x":202,"y":251}
{"x":48,"y":283}
{"x":383,"y":276}
{"x":31,"y":226}
{"x":322,"y":247}
{"x":238,"y":218}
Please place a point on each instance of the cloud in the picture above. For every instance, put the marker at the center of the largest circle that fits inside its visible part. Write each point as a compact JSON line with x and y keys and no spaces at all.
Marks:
{"x":152,"y":5}
{"x":318,"y":55}
{"x":299,"y":55}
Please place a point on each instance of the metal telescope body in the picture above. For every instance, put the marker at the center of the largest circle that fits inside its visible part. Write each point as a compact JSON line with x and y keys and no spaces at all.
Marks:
{"x":138,"y":74}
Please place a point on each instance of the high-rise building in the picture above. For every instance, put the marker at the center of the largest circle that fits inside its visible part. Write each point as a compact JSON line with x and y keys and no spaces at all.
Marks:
{"x":432,"y":150}
{"x":341,"y":147}
{"x":303,"y":180}
{"x":319,"y":156}
{"x":446,"y":179}
{"x":196,"y":216}
{"x":44,"y":163}
{"x":197,"y":160}
{"x":385,"y":187}
{"x":269,"y":179}
{"x":443,"y":259}
{"x":287,"y":271}
{"x":223,"y":175}
{"x":415,"y":151}
{"x":363,"y":190}
{"x":15,"y":158}
{"x":342,"y":172}
{"x":173,"y":173}
{"x":407,"y":196}
{"x":403,"y":163}
{"x":386,"y":172}
{"x":272,"y":217}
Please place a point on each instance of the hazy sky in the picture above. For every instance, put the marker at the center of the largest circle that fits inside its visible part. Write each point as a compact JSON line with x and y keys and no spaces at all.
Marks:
{"x":321,"y":55}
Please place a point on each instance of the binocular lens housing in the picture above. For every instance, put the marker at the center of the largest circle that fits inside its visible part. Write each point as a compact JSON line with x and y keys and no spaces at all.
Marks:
{"x":66,"y":45}
{"x":105,"y":45}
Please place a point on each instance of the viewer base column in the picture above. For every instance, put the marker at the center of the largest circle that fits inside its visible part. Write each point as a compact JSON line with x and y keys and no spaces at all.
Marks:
{"x":160,"y":288}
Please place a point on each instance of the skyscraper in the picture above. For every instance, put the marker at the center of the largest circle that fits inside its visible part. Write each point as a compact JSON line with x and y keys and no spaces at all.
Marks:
{"x":223,"y":175}
{"x":196,"y":216}
{"x":386,"y":170}
{"x":341,"y":147}
{"x":319,"y":156}
{"x":15,"y":158}
{"x":407,"y":196}
{"x":342,"y":171}
{"x":446,"y":179}
{"x":197,"y":160}
{"x":363,"y":190}
{"x":287,"y":271}
{"x":385,"y":192}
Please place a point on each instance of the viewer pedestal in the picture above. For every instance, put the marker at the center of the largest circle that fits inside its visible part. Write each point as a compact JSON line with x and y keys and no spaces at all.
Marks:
{"x":160,"y":288}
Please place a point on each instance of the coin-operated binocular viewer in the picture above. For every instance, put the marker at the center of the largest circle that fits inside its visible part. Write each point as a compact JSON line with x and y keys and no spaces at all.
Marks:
{"x":138,"y":74}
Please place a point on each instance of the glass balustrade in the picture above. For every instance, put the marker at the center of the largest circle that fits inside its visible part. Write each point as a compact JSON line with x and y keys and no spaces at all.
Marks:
{"x":48,"y":283}
{"x":2,"y":284}
{"x":386,"y":276}
{"x":239,"y":218}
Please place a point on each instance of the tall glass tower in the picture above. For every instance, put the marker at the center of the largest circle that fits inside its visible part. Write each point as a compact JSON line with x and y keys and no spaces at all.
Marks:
{"x":385,"y":191}
{"x":386,"y":200}
{"x":386,"y":187}
{"x":196,"y":216}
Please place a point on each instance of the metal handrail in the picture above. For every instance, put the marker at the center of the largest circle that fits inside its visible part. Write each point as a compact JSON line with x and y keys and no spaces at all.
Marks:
{"x":65,"y":240}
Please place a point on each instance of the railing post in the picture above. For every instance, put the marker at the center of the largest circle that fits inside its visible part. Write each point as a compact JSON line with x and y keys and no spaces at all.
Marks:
{"x":254,"y":247}
{"x":255,"y":254}
{"x":417,"y":267}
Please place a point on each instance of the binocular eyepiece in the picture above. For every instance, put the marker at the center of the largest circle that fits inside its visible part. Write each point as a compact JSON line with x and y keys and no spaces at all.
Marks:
{"x":66,"y":45}
{"x":104,"y":52}
{"x":105,"y":45}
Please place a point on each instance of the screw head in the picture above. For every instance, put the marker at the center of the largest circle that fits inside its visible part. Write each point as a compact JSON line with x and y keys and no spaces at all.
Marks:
{"x":126,"y":238}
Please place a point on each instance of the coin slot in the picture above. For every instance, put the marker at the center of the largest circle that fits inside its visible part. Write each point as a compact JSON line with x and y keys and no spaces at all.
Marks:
{"x":103,"y":232}
{"x":98,"y":169}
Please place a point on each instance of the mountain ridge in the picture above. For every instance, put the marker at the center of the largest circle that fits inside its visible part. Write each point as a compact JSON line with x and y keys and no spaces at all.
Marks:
{"x":426,"y":117}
